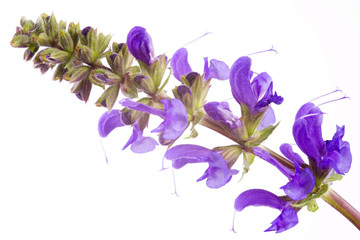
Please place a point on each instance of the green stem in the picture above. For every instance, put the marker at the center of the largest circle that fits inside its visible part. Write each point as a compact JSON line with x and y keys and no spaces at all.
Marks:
{"x":342,"y":206}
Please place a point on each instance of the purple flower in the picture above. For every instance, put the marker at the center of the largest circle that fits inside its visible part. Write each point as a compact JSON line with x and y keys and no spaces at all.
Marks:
{"x":113,"y":119}
{"x":108,"y":122}
{"x":325,"y":155}
{"x":258,"y":197}
{"x":217,"y":174}
{"x":220,"y":111}
{"x":255,"y":94}
{"x":179,"y":63}
{"x":174,"y":115}
{"x":139,"y":143}
{"x":140,"y":45}
{"x":300,"y":184}
{"x":181,"y":67}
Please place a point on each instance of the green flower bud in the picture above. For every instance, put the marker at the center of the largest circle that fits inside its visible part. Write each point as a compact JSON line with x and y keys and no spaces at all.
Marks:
{"x":66,"y":41}
{"x":77,"y":74}
{"x":60,"y":72}
{"x":103,"y":77}
{"x":109,"y":97}
{"x":157,"y":69}
{"x":20,"y":41}
{"x":128,"y":88}
{"x":86,"y":55}
{"x":44,"y":40}
{"x":54,"y":56}
{"x":28,"y":26}
{"x":145,"y":83}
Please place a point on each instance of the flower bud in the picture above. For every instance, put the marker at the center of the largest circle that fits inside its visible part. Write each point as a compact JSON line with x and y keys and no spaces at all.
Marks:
{"x":66,"y":41}
{"x":109,"y":97}
{"x":20,"y":41}
{"x":140,"y":45}
{"x":191,"y":77}
{"x":184,"y":93}
{"x":82,"y":89}
{"x":54,"y":56}
{"x":145,"y":83}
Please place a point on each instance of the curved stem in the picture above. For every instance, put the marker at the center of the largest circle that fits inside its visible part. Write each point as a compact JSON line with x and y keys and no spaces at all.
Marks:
{"x":342,"y":206}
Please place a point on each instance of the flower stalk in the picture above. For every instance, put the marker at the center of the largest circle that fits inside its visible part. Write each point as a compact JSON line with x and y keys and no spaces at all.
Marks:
{"x":342,"y":206}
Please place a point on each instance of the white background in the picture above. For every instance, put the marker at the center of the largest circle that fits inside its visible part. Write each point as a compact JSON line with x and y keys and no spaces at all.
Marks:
{"x":54,"y":181}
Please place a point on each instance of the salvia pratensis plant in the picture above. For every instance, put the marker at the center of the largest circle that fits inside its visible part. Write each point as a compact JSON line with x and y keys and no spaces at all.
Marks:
{"x":86,"y":58}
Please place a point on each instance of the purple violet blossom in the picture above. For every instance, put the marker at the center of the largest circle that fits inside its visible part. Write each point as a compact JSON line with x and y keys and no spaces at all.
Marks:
{"x":324,"y":155}
{"x":217,"y":174}
{"x":301,"y":183}
{"x":139,"y":143}
{"x":174,"y":115}
{"x":140,"y":45}
{"x":220,"y":111}
{"x":256,"y":94}
{"x":113,"y":119}
{"x":180,"y":66}
{"x":258,"y":197}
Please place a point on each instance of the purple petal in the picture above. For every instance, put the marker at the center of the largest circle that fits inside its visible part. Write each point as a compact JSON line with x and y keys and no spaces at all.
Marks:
{"x":286,"y":220}
{"x":143,"y":145}
{"x":269,"y":97}
{"x":108,"y":122}
{"x":261,"y":84}
{"x":340,"y":160}
{"x":179,"y":63}
{"x":142,"y":107}
{"x":268,"y":119}
{"x":259,"y":197}
{"x":304,"y":140}
{"x":187,"y":153}
{"x":137,"y":133}
{"x":140,"y":45}
{"x":270,"y":159}
{"x":218,"y":69}
{"x":301,"y":184}
{"x":287,"y":151}
{"x":176,"y":119}
{"x":240,"y":76}
{"x":219,"y":111}
{"x":217,"y":174}
{"x":339,"y":154}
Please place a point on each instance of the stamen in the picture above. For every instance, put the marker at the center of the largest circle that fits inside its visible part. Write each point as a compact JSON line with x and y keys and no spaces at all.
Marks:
{"x":326,"y":94}
{"x":197,"y":38}
{"x":162,"y":164}
{"x":102,"y":145}
{"x":269,"y":50}
{"x":173,"y":176}
{"x":335,"y":100}
{"x":233,"y":223}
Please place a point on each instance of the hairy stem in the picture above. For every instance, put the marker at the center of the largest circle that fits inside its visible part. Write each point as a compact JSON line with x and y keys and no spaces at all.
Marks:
{"x":342,"y":206}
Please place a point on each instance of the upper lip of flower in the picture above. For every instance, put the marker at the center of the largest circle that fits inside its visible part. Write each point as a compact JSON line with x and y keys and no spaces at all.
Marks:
{"x":255,"y":94}
{"x":325,"y":155}
{"x":180,"y":66}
